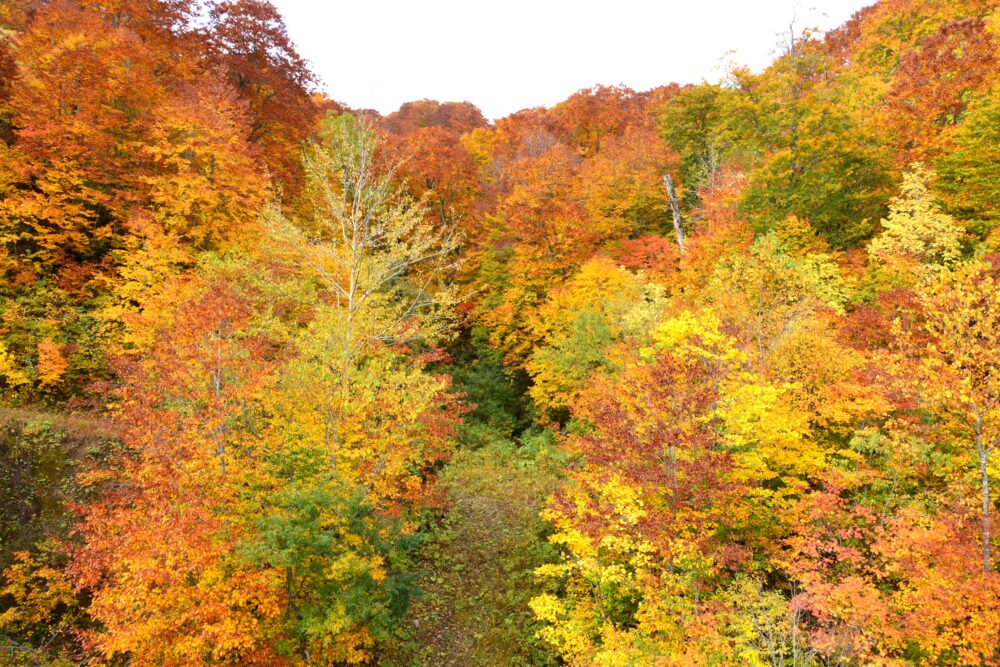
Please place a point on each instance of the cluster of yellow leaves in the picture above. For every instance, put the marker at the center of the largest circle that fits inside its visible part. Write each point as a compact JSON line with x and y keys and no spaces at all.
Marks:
{"x":917,"y":228}
{"x":391,"y":424}
{"x":820,"y":374}
{"x":39,"y":589}
{"x":599,"y":569}
{"x":575,"y":329}
{"x":761,"y":423}
{"x":9,"y":369}
{"x":770,"y":292}
{"x":696,"y":335}
{"x":147,"y":287}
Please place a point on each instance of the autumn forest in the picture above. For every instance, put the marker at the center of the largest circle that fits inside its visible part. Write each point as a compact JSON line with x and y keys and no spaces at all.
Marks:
{"x":707,"y":374}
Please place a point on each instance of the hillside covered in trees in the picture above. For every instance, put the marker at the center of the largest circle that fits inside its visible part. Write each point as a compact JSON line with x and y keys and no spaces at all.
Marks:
{"x":702,"y":375}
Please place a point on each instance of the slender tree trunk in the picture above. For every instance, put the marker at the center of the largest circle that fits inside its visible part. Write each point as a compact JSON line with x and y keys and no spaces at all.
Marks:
{"x":984,"y":453}
{"x":675,"y":210}
{"x":987,"y":558}
{"x":985,"y":480}
{"x":673,"y":473}
{"x":217,"y":431}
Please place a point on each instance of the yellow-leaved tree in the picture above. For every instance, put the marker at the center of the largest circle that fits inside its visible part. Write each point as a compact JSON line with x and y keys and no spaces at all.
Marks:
{"x":357,"y":421}
{"x":961,"y":364}
{"x":384,"y":266}
{"x":917,"y":228}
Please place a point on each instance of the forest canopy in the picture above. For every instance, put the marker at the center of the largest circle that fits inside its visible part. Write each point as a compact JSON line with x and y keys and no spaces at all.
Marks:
{"x":707,"y":374}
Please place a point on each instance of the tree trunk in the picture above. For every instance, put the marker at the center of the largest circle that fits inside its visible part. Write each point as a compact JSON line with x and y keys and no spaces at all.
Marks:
{"x":985,"y":481}
{"x":675,"y":210}
{"x":987,"y":558}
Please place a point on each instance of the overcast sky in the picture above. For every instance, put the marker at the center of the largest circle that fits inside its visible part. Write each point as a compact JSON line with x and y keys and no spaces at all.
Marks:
{"x":507,"y":55}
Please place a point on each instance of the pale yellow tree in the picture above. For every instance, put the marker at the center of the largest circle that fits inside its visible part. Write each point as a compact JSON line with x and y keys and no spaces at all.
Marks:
{"x":917,"y":228}
{"x":376,"y":253}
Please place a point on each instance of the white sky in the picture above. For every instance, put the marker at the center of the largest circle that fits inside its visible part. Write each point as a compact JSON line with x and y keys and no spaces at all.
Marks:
{"x":507,"y":55}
